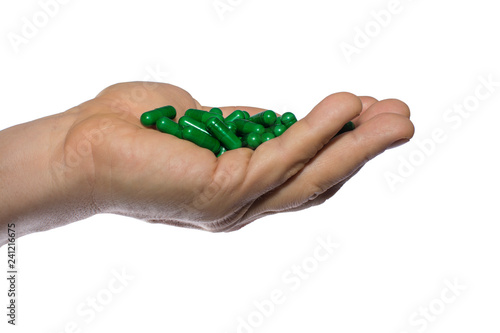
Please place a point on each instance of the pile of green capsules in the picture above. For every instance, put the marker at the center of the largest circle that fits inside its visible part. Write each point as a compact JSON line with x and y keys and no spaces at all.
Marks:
{"x":210,"y":130}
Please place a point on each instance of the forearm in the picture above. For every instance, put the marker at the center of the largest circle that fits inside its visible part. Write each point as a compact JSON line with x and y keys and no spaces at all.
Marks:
{"x":38,"y":190}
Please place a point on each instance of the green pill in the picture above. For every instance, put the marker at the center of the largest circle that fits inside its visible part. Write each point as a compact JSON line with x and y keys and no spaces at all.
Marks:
{"x":288,"y":119}
{"x":266,"y":136}
{"x":245,"y":127}
{"x":201,"y":139}
{"x":238,"y":114}
{"x":201,"y":115}
{"x":346,"y":128}
{"x":277,"y":130}
{"x":265,"y":118}
{"x":252,"y":140}
{"x":150,"y":118}
{"x":232,"y":127}
{"x":216,"y":111}
{"x":246,"y":114}
{"x":220,"y":131}
{"x":167,"y":125}
{"x":186,"y":121}
{"x":222,"y":150}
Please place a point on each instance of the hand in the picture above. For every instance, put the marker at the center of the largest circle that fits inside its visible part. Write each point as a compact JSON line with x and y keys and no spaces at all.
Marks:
{"x":156,"y":177}
{"x":123,"y":168}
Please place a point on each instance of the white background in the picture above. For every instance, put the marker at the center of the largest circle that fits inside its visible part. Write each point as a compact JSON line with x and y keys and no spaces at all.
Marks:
{"x":398,"y":246}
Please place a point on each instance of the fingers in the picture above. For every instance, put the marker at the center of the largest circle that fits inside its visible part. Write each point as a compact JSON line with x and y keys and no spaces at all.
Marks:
{"x":367,"y":101}
{"x":337,"y":161}
{"x":277,"y":160}
{"x":251,"y":214}
{"x":385,"y":106}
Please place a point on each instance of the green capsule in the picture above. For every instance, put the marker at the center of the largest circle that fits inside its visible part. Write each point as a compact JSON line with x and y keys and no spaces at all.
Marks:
{"x":346,"y":128}
{"x":288,"y":119}
{"x":222,"y":150}
{"x":238,"y":114}
{"x":266,"y":137}
{"x":167,"y":125}
{"x":221,"y":132}
{"x":278,"y":121}
{"x":216,"y":111}
{"x":251,"y":140}
{"x":186,"y":121}
{"x":265,"y":118}
{"x":149,"y":118}
{"x":201,"y":115}
{"x":246,"y":114}
{"x":201,"y":139}
{"x":277,"y":130}
{"x":231,"y":126}
{"x":245,"y":126}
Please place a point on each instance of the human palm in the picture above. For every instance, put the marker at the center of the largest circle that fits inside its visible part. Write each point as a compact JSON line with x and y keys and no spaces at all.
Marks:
{"x":142,"y":173}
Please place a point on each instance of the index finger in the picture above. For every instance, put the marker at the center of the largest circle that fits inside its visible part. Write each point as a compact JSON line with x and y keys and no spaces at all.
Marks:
{"x":277,"y":160}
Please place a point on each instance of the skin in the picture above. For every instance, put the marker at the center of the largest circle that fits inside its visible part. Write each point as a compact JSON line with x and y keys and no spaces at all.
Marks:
{"x":98,"y":158}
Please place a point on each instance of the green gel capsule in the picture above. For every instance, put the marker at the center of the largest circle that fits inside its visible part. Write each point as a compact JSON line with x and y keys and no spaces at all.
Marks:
{"x":201,"y":139}
{"x":232,"y":127}
{"x":201,"y":115}
{"x":167,"y":125}
{"x":346,"y":128}
{"x":278,"y":121}
{"x":265,"y":118}
{"x":222,"y":150}
{"x":186,"y":121}
{"x":288,"y":119}
{"x":168,"y":111}
{"x":277,"y":130}
{"x":238,"y":114}
{"x":266,"y":137}
{"x":252,"y":140}
{"x":150,"y":118}
{"x":245,"y":126}
{"x":220,"y":131}
{"x":246,"y":114}
{"x":216,"y":111}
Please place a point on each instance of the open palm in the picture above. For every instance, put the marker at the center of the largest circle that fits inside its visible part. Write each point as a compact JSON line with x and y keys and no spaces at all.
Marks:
{"x":156,"y":177}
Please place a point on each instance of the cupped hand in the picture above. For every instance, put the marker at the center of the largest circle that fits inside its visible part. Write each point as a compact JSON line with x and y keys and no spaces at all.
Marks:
{"x":143,"y":173}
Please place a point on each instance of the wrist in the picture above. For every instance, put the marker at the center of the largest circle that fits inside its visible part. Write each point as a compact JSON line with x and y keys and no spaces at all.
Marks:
{"x":45,"y":183}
